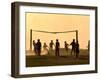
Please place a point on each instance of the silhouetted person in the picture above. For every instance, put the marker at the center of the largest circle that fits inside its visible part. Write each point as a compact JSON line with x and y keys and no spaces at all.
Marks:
{"x":77,"y":49}
{"x":89,"y":46}
{"x":73,"y":44}
{"x":45,"y":49}
{"x":51,"y":45}
{"x":35,"y":47}
{"x":38,"y":47}
{"x":57,"y":46}
{"x":66,"y":46}
{"x":45,"y":46}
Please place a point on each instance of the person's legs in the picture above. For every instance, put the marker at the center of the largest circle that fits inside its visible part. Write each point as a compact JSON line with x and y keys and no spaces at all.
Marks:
{"x":58,"y":53}
{"x":74,"y":50}
{"x":77,"y":54}
{"x":67,"y":51}
{"x":39,"y":52}
{"x":35,"y":51}
{"x":55,"y":52}
{"x":71,"y":51}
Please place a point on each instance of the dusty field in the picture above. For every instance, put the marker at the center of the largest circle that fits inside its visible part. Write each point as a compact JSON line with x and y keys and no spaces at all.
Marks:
{"x":52,"y":60}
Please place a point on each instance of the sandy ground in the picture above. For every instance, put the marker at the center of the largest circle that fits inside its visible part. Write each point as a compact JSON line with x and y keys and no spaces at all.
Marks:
{"x":51,"y":60}
{"x":52,"y":52}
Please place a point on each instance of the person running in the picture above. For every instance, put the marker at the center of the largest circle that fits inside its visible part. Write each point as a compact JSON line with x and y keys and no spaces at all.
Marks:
{"x":66,"y":46}
{"x":57,"y":46}
{"x":73,"y":44}
{"x":38,"y":47}
{"x":77,"y":49}
{"x":35,"y":47}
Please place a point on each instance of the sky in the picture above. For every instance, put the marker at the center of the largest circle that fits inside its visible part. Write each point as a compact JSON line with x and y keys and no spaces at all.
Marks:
{"x":57,"y":22}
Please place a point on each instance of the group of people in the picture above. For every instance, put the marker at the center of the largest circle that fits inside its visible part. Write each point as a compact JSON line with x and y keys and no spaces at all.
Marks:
{"x":38,"y":46}
{"x":75,"y":48}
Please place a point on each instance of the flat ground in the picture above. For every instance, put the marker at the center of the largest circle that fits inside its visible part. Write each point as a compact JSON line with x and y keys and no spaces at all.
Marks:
{"x":52,"y":60}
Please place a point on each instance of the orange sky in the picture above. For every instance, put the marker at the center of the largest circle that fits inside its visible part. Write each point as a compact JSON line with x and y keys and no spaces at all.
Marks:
{"x":57,"y":22}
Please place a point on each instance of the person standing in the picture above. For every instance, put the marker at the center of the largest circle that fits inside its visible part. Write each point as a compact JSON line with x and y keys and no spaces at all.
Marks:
{"x":66,"y":46}
{"x":73,"y":44}
{"x":51,"y":45}
{"x":38,"y":47}
{"x":51,"y":48}
{"x":89,"y":46}
{"x":77,"y":49}
{"x":57,"y":46}
{"x":45,"y":49}
{"x":35,"y":47}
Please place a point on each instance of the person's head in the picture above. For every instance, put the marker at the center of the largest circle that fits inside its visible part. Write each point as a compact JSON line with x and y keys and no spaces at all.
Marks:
{"x":56,"y":40}
{"x":44,"y":43}
{"x":73,"y":40}
{"x":38,"y":40}
{"x":51,"y":40}
{"x":76,"y":41}
{"x":33,"y":41}
{"x":64,"y":41}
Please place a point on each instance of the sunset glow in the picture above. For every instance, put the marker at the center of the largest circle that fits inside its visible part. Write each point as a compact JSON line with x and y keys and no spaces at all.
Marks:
{"x":57,"y":22}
